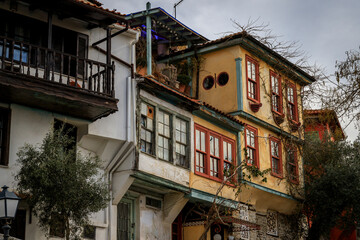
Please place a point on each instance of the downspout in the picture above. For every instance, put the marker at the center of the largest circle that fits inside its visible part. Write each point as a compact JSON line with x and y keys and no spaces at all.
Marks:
{"x":148,"y":39}
{"x":197,"y":73}
{"x":130,"y":99}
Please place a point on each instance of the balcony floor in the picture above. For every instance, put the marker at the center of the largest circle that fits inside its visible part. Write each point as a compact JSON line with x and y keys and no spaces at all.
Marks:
{"x":54,"y":97}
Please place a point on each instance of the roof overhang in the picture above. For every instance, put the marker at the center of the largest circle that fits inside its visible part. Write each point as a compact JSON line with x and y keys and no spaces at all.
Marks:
{"x":80,"y":9}
{"x":169,"y":94}
{"x":166,"y":27}
{"x":252,"y":45}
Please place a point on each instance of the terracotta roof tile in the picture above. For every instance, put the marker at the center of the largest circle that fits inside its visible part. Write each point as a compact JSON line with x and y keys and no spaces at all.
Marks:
{"x":99,"y":6}
{"x":173,"y":90}
{"x":197,"y":101}
{"x":223,"y":113}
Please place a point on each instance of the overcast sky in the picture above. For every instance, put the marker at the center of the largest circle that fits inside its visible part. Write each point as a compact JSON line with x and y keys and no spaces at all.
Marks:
{"x":324,"y":28}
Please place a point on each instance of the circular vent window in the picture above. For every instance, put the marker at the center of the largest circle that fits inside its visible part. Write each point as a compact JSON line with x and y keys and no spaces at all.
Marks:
{"x":208,"y":82}
{"x":223,"y":78}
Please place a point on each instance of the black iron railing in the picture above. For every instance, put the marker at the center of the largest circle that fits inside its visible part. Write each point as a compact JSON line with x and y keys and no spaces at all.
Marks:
{"x":56,"y":66}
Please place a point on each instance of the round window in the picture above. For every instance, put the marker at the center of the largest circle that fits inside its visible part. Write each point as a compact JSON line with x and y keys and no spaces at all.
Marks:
{"x":208,"y":82}
{"x":223,"y":78}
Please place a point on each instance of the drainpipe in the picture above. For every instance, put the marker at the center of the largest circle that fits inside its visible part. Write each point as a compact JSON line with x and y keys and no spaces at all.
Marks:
{"x":148,"y":39}
{"x":130,"y":97}
{"x":197,"y":73}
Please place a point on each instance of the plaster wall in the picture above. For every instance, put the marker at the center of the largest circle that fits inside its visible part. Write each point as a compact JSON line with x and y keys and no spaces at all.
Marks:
{"x":265,"y":112}
{"x":273,"y":182}
{"x":214,"y":63}
{"x":168,"y":170}
{"x":151,"y":222}
{"x":103,"y":137}
{"x":223,"y":60}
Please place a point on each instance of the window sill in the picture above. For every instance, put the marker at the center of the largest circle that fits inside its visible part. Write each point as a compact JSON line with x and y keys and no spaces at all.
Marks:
{"x":294,"y":181}
{"x":276,"y":175}
{"x":294,"y":125}
{"x":4,"y":166}
{"x":278,"y":117}
{"x":208,"y":177}
{"x":255,"y":106}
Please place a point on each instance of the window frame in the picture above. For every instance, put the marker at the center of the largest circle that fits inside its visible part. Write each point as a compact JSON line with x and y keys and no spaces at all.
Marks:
{"x":295,"y":164}
{"x":254,"y":81}
{"x":203,"y":82}
{"x":279,"y":158}
{"x":5,"y":141}
{"x":273,"y":93}
{"x":222,"y":138}
{"x":172,"y":140}
{"x":294,"y":104}
{"x":256,"y":148}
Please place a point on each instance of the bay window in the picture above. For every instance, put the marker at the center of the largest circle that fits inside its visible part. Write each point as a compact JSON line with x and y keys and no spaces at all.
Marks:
{"x":276,"y":157}
{"x":276,"y":93}
{"x":292,"y":102}
{"x":164,"y":134}
{"x":251,"y":143}
{"x":252,"y":79}
{"x":214,"y":153}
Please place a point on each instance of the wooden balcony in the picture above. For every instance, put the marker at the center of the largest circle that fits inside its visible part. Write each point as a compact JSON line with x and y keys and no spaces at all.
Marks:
{"x":55,"y":81}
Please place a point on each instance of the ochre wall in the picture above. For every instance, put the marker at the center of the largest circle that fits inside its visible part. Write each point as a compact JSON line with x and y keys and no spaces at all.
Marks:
{"x":222,"y":97}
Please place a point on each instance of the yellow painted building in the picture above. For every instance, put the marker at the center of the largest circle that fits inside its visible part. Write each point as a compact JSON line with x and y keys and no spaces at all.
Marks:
{"x":241,"y":77}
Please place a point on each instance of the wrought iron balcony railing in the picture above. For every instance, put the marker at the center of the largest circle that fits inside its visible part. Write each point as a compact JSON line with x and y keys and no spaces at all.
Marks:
{"x":56,"y":66}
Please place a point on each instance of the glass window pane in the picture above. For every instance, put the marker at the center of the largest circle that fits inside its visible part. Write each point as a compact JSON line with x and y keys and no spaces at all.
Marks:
{"x":161,"y":117}
{"x":177,"y":136}
{"x":177,"y":147}
{"x":177,"y":124}
{"x":143,"y":109}
{"x":167,"y":131}
{"x":183,"y":138}
{"x":149,"y":124}
{"x":166,"y":155}
{"x":198,"y":142}
{"x":166,"y":143}
{"x":161,"y":141}
{"x":166,"y":119}
{"x":203,"y":142}
{"x":211,"y":145}
{"x":161,"y":128}
{"x":217,"y":152}
{"x":161,"y":152}
{"x":183,"y":151}
{"x":148,"y":136}
{"x":183,"y":126}
{"x":225,"y":150}
{"x":229,"y":152}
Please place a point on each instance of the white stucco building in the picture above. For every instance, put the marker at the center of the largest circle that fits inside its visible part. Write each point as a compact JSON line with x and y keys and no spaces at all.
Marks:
{"x":71,"y":61}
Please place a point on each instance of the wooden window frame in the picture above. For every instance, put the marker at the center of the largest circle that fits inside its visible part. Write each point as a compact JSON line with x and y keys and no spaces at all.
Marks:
{"x":256,"y":149}
{"x":280,"y":173}
{"x":278,"y":95}
{"x":207,"y":153}
{"x":153,"y":144}
{"x":254,"y":81}
{"x":172,"y":140}
{"x":162,"y":135}
{"x":295,"y":164}
{"x":5,"y":141}
{"x":294,"y":104}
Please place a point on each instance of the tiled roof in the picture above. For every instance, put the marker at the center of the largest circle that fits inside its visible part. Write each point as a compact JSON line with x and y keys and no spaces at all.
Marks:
{"x":172,"y":90}
{"x":197,"y":101}
{"x":98,"y":6}
{"x":223,"y":113}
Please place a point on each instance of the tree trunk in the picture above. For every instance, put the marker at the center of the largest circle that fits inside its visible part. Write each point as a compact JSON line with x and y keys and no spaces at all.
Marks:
{"x":67,"y":229}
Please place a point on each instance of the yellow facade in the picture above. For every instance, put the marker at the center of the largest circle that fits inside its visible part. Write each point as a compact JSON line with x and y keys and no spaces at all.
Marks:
{"x":279,"y":194}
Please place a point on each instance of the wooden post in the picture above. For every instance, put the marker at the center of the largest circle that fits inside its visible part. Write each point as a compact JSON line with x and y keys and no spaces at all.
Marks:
{"x":49,"y":46}
{"x":108,"y":61}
